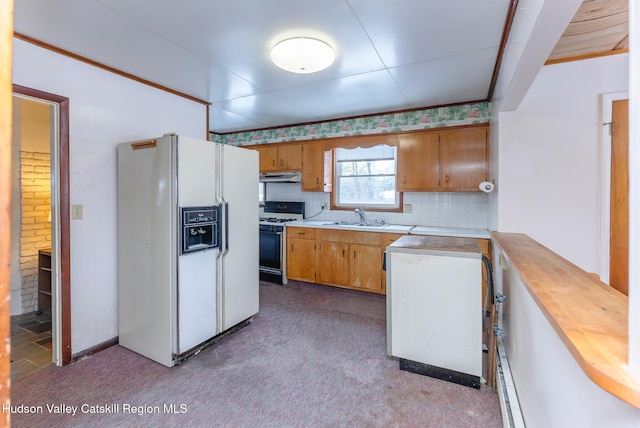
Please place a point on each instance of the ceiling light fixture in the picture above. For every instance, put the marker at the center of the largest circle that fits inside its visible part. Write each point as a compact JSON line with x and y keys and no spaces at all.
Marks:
{"x":302,"y":55}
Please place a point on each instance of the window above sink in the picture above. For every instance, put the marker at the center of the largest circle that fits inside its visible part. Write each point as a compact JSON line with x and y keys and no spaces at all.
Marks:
{"x":366,"y":177}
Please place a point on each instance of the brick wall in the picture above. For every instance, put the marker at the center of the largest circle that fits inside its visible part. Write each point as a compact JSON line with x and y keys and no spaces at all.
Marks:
{"x":35,"y":188}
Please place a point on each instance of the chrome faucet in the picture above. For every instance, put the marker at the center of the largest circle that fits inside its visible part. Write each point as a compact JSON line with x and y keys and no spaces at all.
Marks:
{"x":360,"y":212}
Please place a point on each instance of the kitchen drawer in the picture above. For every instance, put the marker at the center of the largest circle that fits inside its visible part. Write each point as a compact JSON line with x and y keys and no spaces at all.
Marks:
{"x":390,"y":238}
{"x":301,"y":233}
{"x":350,"y":237}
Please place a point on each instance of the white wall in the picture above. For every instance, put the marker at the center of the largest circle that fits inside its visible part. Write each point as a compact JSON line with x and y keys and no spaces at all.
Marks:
{"x":536,"y":28}
{"x":105,"y":109}
{"x":550,"y":157}
{"x":553,"y":391}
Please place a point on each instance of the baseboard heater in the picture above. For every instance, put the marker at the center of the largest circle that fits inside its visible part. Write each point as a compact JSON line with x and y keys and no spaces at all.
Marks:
{"x":509,"y":404}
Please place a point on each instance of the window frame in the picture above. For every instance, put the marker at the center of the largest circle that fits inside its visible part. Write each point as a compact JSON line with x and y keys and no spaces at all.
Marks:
{"x":335,"y":205}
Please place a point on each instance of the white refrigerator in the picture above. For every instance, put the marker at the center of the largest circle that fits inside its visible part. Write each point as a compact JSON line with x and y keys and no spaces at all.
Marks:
{"x":187,"y":244}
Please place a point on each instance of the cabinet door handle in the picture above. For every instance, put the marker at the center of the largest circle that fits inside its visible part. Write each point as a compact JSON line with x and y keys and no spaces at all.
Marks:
{"x":446,"y":179}
{"x":342,"y":253}
{"x":317,"y":180}
{"x":273,"y":162}
{"x":354,"y":254}
{"x":292,"y":248}
{"x":404,"y":179}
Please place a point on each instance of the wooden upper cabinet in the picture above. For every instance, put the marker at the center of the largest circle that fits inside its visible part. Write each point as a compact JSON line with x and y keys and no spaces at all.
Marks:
{"x":312,"y":167}
{"x":417,"y":158}
{"x":436,"y":160}
{"x":463,"y":159}
{"x":279,"y":157}
{"x":290,"y":157}
{"x":443,"y":160}
{"x":268,"y":157}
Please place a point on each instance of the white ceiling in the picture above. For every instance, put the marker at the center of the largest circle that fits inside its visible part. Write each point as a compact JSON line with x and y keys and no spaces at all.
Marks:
{"x":391,"y":54}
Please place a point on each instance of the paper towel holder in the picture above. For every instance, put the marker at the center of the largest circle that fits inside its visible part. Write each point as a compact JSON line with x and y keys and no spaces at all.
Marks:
{"x":487,"y":186}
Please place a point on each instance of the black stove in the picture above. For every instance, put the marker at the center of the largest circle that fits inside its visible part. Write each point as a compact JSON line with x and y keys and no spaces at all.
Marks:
{"x":284,"y":210}
{"x":273,"y":238}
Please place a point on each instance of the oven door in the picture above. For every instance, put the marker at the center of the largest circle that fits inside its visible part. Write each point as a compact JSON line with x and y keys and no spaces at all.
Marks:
{"x":271,"y":251}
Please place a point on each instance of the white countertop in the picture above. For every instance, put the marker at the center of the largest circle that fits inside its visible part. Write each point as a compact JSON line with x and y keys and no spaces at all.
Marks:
{"x":333,"y":224}
{"x":397,"y":228}
{"x":451,"y":231}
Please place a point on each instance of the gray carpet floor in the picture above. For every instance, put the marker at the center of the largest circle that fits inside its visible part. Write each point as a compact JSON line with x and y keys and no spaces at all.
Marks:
{"x":314,"y":356}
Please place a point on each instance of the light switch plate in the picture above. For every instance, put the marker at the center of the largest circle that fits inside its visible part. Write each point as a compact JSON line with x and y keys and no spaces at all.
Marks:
{"x":76,"y":212}
{"x":407,"y":208}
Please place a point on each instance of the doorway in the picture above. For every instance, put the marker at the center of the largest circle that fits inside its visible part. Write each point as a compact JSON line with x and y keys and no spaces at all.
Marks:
{"x":614,"y":191}
{"x":58,"y":211}
{"x":619,"y":202}
{"x":30,"y":265}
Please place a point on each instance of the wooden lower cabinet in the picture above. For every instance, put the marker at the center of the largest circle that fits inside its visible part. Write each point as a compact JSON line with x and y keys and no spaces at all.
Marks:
{"x":365,"y":267}
{"x":299,"y":265}
{"x":348,"y":259}
{"x":341,"y":258}
{"x":301,"y":254}
{"x":333,"y":264}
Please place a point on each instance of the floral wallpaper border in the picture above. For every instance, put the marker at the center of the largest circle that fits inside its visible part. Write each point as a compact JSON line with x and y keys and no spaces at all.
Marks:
{"x":440,"y":117}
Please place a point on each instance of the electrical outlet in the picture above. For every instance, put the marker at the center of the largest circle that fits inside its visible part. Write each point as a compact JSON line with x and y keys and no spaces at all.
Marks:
{"x":76,"y":212}
{"x":325,"y":205}
{"x":407,"y":208}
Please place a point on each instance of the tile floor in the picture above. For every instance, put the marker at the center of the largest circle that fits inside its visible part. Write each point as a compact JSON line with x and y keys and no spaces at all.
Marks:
{"x":30,"y":343}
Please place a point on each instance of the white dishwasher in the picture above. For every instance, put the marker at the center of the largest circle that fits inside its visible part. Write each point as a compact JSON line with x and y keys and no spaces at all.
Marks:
{"x":434,"y":300}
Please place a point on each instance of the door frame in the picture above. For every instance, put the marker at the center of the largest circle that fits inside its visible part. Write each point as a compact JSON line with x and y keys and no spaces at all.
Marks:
{"x":60,"y":221}
{"x":605,"y":181}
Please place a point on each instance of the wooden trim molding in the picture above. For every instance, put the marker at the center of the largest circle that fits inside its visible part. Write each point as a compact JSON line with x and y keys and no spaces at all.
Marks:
{"x":113,"y":70}
{"x":587,"y":56}
{"x":95,"y":349}
{"x":589,"y":317}
{"x":6,"y":55}
{"x":65,"y":215}
{"x":503,"y":44}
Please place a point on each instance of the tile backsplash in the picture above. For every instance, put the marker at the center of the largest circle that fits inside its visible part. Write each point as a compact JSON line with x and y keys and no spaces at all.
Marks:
{"x":455,"y":209}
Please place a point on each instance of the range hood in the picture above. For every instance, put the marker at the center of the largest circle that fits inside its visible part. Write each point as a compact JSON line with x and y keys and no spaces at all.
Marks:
{"x":280,"y":177}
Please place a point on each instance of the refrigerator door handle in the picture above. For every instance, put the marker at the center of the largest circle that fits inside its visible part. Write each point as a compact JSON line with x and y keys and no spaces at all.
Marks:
{"x":226,"y":226}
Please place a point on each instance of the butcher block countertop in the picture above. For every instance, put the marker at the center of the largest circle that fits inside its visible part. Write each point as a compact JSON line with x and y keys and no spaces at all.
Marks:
{"x":590,"y":317}
{"x":437,"y":243}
